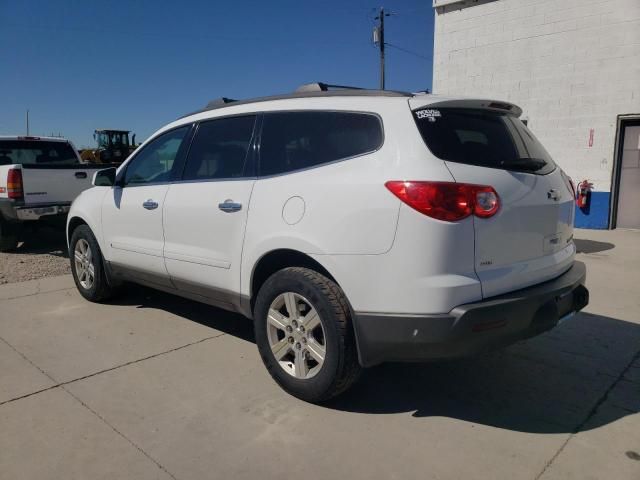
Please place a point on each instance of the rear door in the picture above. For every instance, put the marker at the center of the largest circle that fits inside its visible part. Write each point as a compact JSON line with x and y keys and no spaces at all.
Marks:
{"x":205,"y":213}
{"x":530,"y":239}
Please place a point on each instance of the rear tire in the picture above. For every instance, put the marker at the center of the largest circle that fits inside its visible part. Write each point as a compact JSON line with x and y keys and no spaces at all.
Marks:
{"x":316,"y":363}
{"x":8,"y":237}
{"x":87,"y":266}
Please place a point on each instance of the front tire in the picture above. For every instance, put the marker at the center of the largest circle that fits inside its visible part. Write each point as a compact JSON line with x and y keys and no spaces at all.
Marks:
{"x":87,"y":266}
{"x":304,"y":334}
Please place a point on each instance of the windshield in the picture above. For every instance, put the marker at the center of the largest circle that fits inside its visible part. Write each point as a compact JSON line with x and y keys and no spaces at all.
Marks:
{"x":27,"y":152}
{"x":482,"y":138}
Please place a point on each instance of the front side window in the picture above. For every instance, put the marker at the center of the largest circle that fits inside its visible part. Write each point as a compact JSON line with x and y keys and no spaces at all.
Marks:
{"x":483,"y":138}
{"x":297,"y":140}
{"x":154,"y":162}
{"x":219,"y":149}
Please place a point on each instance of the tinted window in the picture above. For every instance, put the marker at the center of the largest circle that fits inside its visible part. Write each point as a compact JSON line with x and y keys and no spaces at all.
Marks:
{"x":40,"y":152}
{"x":154,"y":162}
{"x":296,"y":140}
{"x":479,"y":137}
{"x":219,"y":149}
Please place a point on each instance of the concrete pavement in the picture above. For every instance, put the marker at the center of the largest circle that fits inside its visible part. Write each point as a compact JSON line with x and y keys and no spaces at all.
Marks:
{"x":154,"y":386}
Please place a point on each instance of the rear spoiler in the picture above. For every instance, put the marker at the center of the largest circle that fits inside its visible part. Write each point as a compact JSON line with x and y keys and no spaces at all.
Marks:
{"x":417,"y":103}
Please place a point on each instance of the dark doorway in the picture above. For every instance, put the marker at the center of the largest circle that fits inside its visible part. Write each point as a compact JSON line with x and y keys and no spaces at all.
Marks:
{"x":627,"y":198}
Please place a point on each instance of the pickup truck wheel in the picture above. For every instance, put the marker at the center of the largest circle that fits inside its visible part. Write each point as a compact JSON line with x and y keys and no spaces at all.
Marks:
{"x":8,"y":237}
{"x":87,"y":267}
{"x":304,"y":334}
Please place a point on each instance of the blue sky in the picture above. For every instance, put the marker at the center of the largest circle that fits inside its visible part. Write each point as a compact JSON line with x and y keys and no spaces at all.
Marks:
{"x":85,"y":64}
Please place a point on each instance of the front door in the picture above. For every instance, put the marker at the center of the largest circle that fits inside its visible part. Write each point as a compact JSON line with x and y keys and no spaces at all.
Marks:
{"x":205,"y":213}
{"x":628,"y":214}
{"x":132,"y":211}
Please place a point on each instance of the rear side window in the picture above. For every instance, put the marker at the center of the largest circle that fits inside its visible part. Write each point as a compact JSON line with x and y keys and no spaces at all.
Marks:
{"x":219,"y":149}
{"x":36,"y":152}
{"x":483,"y":138}
{"x":297,"y":140}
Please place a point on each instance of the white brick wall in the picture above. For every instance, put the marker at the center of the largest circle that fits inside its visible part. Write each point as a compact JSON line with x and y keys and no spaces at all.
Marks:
{"x":572,"y":65}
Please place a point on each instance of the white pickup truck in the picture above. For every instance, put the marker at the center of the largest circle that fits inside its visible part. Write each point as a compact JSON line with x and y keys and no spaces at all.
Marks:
{"x":39,"y":178}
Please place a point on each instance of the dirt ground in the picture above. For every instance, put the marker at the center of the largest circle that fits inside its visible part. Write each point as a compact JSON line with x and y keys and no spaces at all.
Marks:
{"x":43,"y":255}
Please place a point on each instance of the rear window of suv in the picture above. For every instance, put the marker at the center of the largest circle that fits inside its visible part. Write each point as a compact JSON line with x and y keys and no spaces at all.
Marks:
{"x":36,"y":152}
{"x":297,"y":140}
{"x":482,"y":138}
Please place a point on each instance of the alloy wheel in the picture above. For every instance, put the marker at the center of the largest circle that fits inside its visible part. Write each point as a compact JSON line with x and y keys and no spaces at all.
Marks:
{"x":296,"y":335}
{"x":83,"y":259}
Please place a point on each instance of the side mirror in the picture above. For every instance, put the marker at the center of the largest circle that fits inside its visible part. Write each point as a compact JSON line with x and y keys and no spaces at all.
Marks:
{"x":105,"y":178}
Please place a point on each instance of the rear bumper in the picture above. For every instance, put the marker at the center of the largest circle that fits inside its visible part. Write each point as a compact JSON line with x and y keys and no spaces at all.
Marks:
{"x":473,"y":327}
{"x":35,"y":213}
{"x":17,"y":211}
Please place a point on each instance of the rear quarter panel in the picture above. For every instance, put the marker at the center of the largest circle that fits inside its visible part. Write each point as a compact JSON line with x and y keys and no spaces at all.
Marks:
{"x":3,"y":180}
{"x":345,"y":209}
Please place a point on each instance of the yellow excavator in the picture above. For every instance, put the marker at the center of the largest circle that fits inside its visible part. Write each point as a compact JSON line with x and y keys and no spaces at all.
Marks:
{"x":113,"y":147}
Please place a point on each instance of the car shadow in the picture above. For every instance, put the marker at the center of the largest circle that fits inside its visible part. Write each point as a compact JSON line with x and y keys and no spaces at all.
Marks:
{"x":549,"y":384}
{"x":212,"y":317}
{"x":44,"y":240}
{"x":592,"y":246}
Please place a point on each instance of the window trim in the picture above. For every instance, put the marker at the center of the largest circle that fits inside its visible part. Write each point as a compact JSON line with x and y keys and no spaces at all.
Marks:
{"x":178,"y":162}
{"x":250,"y":158}
{"x":252,"y":163}
{"x":259,"y":176}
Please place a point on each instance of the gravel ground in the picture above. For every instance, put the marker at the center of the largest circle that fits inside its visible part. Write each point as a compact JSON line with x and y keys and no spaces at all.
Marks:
{"x":44,"y":255}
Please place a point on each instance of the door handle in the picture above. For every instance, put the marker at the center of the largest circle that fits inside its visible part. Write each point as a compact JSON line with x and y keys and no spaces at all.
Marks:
{"x":81,"y":174}
{"x":230,"y":206}
{"x":150,"y":205}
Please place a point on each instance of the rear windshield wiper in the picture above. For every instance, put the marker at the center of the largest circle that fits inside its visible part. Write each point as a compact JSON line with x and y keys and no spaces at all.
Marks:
{"x":525,"y":163}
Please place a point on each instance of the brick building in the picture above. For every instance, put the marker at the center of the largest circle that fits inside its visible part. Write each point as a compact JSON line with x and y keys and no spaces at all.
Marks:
{"x":574,"y":68}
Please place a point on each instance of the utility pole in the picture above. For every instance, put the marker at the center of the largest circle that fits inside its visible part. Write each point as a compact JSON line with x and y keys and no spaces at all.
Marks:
{"x":27,"y":122}
{"x":378,"y":37}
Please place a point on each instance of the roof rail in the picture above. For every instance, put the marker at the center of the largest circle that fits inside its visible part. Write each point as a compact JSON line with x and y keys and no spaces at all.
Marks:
{"x":305,"y":91}
{"x":322,"y":87}
{"x":219,"y":102}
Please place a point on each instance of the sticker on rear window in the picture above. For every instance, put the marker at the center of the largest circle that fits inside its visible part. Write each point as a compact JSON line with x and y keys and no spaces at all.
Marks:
{"x":429,"y":113}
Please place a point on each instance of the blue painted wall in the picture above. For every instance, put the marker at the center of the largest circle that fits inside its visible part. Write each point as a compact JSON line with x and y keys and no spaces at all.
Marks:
{"x":596,"y":214}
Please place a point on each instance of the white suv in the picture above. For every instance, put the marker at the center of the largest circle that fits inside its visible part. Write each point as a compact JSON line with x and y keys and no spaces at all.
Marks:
{"x":353,"y":226}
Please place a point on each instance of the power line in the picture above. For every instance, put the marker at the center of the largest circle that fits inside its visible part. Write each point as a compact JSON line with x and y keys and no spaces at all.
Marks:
{"x":402,"y":49}
{"x":414,"y":10}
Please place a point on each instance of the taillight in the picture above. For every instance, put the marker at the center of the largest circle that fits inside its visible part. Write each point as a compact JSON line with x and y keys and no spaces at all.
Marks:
{"x":14,"y":184}
{"x":445,"y":200}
